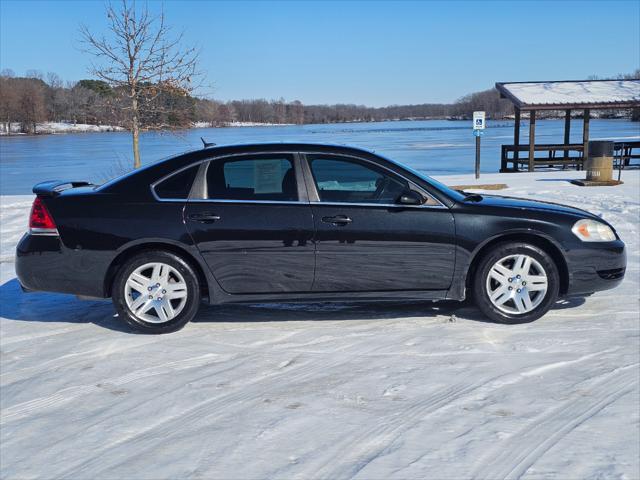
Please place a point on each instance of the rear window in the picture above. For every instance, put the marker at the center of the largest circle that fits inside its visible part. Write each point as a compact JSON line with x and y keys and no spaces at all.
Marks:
{"x":178,"y":185}
{"x":252,"y":178}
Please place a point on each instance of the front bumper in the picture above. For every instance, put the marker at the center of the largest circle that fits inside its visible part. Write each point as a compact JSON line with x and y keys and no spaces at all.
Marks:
{"x":596,"y":266}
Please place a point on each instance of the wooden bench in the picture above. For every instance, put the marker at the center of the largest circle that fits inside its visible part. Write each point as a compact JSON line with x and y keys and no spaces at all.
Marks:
{"x":626,"y":153}
{"x":560,"y":155}
{"x":552,"y":155}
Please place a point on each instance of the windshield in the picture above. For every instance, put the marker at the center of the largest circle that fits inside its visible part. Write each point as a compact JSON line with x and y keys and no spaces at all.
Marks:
{"x":448,"y":191}
{"x":455,"y":194}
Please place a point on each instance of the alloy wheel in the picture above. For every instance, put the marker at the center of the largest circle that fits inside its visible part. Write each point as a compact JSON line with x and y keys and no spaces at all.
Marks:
{"x":516,"y":284}
{"x":156,"y":292}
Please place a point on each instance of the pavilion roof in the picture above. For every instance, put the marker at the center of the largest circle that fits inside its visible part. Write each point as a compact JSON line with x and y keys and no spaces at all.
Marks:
{"x":572,"y":94}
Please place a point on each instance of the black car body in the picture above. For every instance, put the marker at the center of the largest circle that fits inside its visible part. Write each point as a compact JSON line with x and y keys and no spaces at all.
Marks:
{"x":296,"y":233}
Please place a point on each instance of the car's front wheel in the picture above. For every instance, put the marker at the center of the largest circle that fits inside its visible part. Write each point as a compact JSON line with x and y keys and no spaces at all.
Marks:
{"x":516,"y":283}
{"x":156,"y":292}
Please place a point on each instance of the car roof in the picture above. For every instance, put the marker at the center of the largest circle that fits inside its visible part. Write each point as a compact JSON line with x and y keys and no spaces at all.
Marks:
{"x":184,"y":159}
{"x":293,"y":146}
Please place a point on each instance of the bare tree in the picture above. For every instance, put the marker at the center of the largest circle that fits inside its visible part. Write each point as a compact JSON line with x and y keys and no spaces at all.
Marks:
{"x":32,"y":105}
{"x":140,"y":59}
{"x":54,"y":80}
{"x":9,"y":101}
{"x":33,"y":73}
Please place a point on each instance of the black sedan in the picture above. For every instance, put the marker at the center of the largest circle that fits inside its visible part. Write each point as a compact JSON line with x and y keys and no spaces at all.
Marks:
{"x":304,"y":222}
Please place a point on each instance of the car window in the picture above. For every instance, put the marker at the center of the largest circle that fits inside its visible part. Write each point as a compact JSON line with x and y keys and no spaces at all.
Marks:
{"x":252,"y":178}
{"x":177,"y":185}
{"x":350,"y":181}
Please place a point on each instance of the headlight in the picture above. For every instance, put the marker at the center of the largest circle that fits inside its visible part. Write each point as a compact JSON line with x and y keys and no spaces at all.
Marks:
{"x":592,"y":231}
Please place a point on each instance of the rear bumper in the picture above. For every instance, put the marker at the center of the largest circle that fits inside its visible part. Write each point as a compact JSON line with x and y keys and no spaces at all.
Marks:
{"x":43,"y":263}
{"x":594,"y":267}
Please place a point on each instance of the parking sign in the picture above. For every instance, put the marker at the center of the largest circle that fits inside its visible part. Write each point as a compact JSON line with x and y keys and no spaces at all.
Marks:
{"x":478,"y":120}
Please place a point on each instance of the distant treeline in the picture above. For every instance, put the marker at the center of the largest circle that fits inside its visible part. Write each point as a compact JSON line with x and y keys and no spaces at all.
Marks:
{"x":36,"y":98}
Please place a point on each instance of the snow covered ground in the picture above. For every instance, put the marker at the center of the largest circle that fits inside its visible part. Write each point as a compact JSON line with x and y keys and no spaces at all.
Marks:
{"x":328,"y":391}
{"x":240,"y":124}
{"x":64,"y":127}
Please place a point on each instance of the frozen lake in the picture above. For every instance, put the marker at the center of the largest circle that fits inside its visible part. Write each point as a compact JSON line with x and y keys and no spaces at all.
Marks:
{"x":433,"y":146}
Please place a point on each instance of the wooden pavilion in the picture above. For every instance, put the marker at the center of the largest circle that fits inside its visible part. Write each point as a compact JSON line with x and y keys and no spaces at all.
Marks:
{"x":584,"y":95}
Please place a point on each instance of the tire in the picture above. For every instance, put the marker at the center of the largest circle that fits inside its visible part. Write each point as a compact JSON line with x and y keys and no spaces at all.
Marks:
{"x":156,"y":292}
{"x":511,"y":284}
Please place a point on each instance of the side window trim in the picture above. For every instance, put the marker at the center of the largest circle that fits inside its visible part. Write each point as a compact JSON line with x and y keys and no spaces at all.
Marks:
{"x":199,"y":191}
{"x":314,"y":197}
{"x":309,"y":181}
{"x":298,"y":168}
{"x":307,"y":191}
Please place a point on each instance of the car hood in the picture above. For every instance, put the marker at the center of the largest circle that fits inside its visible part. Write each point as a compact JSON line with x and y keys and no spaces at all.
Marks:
{"x":524,"y":204}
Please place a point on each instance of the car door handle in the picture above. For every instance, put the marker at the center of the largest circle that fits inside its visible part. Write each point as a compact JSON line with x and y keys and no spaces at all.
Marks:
{"x":205,"y":217}
{"x":337,"y":220}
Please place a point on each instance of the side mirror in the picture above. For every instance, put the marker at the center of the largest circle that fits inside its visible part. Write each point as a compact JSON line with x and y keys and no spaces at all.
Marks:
{"x":411,"y":197}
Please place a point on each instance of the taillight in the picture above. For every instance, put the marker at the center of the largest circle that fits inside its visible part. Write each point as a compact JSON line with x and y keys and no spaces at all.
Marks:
{"x":40,"y":221}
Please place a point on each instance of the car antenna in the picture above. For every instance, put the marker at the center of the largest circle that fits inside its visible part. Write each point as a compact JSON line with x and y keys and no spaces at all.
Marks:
{"x":207,"y":144}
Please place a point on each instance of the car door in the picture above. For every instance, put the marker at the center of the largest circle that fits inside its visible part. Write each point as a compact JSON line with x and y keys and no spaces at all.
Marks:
{"x":365,"y":240}
{"x":252,"y":223}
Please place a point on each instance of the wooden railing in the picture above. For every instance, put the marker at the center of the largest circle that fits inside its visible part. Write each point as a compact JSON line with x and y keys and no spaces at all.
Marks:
{"x":560,"y":155}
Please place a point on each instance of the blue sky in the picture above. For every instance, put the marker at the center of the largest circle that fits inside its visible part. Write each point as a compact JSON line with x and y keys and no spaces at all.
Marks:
{"x":373,"y":53}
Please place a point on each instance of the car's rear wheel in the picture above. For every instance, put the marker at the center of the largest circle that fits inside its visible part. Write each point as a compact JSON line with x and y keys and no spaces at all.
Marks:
{"x":156,"y":292}
{"x":516,"y":283}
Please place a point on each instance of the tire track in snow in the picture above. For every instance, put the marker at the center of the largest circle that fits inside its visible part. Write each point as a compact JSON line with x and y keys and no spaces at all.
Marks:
{"x":139,"y":403}
{"x":529,"y":445}
{"x":69,"y":394}
{"x":42,"y":367}
{"x":35,"y":336}
{"x":371,"y":443}
{"x":564,"y":363}
{"x":209,"y":410}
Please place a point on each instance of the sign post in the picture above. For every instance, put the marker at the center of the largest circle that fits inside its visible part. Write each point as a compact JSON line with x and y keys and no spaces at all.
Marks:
{"x":478,"y":130}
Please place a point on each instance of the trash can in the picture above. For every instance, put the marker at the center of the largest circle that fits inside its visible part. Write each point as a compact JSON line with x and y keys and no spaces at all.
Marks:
{"x":599,"y":165}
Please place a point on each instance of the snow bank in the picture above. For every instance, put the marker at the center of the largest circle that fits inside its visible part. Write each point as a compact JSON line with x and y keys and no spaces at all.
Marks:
{"x":63,"y":127}
{"x":239,"y":124}
{"x":328,"y":390}
{"x":60,"y":127}
{"x":201,"y":125}
{"x":256,"y":124}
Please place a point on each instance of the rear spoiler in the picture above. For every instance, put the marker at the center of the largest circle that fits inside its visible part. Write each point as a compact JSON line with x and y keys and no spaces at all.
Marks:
{"x":52,"y":188}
